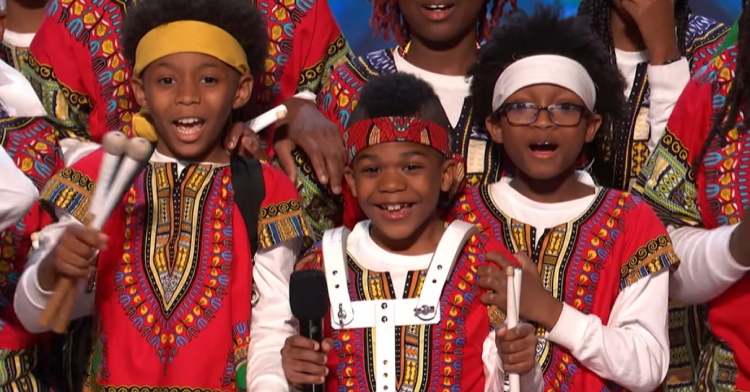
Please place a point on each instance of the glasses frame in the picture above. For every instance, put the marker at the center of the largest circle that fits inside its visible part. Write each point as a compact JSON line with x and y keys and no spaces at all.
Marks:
{"x":503,"y":110}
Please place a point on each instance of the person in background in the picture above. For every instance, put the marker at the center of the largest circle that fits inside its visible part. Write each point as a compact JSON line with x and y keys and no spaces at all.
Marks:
{"x":596,"y":260}
{"x":696,"y":182}
{"x":657,"y":63}
{"x":30,"y":158}
{"x":180,"y":225}
{"x":24,"y":19}
{"x":400,"y":163}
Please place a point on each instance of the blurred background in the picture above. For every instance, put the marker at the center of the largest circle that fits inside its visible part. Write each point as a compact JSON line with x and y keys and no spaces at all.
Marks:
{"x":354,"y":16}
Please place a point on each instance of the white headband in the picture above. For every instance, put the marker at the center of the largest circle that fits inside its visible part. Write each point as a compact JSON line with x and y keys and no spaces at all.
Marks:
{"x":545,"y":69}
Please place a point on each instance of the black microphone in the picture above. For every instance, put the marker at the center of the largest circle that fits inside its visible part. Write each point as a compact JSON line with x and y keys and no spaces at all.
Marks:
{"x":308,"y":297}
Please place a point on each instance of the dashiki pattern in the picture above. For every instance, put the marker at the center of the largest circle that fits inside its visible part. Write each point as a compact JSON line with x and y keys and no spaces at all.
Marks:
{"x":33,"y":148}
{"x":443,"y":357}
{"x":176,"y":280}
{"x":623,"y":155}
{"x":77,"y":68}
{"x":585,"y":263}
{"x":709,"y":196}
{"x":338,"y":98}
{"x":12,"y":55}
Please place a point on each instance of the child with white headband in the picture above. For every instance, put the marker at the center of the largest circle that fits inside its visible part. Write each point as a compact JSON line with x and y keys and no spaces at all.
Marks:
{"x":596,"y":260}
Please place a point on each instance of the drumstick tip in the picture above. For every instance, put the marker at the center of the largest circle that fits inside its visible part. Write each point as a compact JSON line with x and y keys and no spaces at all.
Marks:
{"x":281,"y":114}
{"x":139,"y":149}
{"x":510,"y":271}
{"x":114,"y":142}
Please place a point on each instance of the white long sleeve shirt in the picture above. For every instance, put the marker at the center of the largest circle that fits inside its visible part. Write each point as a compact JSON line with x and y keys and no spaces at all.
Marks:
{"x":707,"y":268}
{"x":632,"y":350}
{"x":666,"y":83}
{"x":271,"y":321}
{"x":374,"y":258}
{"x":17,"y":192}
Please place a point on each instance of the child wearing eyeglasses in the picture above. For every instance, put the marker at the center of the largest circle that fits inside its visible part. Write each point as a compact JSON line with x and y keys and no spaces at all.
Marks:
{"x":595,"y":260}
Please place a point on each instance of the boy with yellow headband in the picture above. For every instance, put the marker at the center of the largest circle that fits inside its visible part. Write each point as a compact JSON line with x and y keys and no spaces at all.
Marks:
{"x":178,"y":297}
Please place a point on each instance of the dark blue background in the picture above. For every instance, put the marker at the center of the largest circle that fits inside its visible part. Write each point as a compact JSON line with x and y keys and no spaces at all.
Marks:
{"x":354,"y":15}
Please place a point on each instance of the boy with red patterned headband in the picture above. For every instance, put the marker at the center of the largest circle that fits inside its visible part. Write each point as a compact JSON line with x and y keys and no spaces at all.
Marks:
{"x":179,"y":299}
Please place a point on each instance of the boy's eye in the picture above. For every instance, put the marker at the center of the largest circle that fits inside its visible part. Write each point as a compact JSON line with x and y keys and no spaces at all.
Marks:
{"x":412,"y":166}
{"x":166,"y":80}
{"x":210,"y":80}
{"x":371,"y":169}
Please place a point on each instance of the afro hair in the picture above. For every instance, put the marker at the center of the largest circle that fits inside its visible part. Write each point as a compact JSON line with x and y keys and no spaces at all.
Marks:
{"x":240,"y":18}
{"x":545,"y":32}
{"x":399,"y":94}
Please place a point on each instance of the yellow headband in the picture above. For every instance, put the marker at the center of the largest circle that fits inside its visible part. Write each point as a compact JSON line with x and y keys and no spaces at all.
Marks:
{"x":187,"y":36}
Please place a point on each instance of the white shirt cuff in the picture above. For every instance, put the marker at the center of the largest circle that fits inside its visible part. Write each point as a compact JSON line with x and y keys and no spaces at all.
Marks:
{"x":570,"y":329}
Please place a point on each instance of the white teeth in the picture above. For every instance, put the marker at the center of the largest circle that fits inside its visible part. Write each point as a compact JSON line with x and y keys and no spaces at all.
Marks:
{"x":188,"y":121}
{"x":395,"y":207}
{"x":437,"y":7}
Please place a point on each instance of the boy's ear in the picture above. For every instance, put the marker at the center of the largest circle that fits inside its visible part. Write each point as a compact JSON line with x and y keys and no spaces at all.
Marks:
{"x":448,"y":178}
{"x":595,"y":122}
{"x":244,"y":89}
{"x":136,"y":83}
{"x":350,"y":180}
{"x":493,"y":127}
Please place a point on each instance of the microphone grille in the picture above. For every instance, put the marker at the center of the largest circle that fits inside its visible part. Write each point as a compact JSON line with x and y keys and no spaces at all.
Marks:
{"x":308,"y":295}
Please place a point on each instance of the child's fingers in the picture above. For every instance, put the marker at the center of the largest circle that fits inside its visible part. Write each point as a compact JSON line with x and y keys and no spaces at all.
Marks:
{"x":304,"y":373}
{"x":300,"y":342}
{"x":327,"y":345}
{"x":70,"y":264}
{"x":91,"y":238}
{"x":520,"y":331}
{"x":519,"y":367}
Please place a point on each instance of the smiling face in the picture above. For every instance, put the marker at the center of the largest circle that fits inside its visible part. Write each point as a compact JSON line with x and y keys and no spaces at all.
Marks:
{"x":545,"y":147}
{"x":441,"y":21}
{"x":398,"y":186}
{"x":189,"y":97}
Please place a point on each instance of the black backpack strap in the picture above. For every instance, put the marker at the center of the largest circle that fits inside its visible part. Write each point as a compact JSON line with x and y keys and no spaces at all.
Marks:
{"x":249,"y":192}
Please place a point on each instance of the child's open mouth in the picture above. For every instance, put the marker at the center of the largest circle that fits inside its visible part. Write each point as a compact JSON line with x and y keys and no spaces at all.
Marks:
{"x":396,"y":211}
{"x":437,"y":12}
{"x":543,"y":149}
{"x":189,"y":128}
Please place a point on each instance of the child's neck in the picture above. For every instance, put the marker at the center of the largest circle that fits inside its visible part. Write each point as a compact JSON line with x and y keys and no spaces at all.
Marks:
{"x":625,"y":36}
{"x":25,"y":17}
{"x":215,"y":155}
{"x":423,"y":241}
{"x":452,"y":59}
{"x":562,"y":188}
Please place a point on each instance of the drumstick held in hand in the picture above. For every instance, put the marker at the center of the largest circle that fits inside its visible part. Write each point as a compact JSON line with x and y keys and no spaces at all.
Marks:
{"x":514,"y":302}
{"x":137,"y":151}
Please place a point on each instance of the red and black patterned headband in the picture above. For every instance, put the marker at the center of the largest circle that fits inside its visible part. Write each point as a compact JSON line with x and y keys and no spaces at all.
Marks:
{"x":369,"y":132}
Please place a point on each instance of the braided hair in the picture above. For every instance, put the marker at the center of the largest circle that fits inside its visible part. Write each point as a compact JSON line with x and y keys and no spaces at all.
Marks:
{"x":387,"y":18}
{"x":739,"y":92}
{"x":599,"y":13}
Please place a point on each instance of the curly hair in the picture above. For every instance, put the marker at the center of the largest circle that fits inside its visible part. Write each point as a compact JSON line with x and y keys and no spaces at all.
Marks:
{"x":546,"y":32}
{"x":399,"y":94}
{"x":387,"y":19}
{"x":598,"y":13}
{"x":240,"y":18}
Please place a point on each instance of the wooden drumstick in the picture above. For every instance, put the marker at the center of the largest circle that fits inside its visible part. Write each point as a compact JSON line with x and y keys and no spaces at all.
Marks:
{"x":267,"y":119}
{"x":514,"y":301}
{"x":137,"y":152}
{"x":114,"y":146}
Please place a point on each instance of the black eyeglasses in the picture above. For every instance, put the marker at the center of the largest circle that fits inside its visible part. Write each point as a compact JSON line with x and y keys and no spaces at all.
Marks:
{"x":564,"y":115}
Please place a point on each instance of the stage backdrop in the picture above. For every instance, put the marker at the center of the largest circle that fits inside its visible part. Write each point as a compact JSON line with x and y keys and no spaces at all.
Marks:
{"x":354,"y":15}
